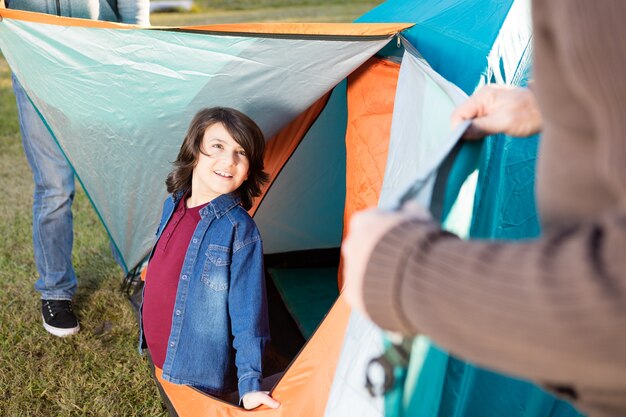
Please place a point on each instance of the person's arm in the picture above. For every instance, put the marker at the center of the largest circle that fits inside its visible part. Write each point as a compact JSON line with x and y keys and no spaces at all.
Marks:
{"x":547,"y":309}
{"x":499,"y":109}
{"x":247,"y":305}
{"x":134,"y":11}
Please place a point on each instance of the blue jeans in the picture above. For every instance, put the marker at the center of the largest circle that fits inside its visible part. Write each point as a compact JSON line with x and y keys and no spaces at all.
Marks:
{"x":52,"y":203}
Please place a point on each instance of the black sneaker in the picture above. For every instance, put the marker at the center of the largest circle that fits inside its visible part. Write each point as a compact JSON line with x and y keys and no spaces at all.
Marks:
{"x":59,"y":318}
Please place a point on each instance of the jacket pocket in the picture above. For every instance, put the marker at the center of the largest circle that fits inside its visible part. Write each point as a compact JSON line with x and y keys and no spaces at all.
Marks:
{"x":216,"y":271}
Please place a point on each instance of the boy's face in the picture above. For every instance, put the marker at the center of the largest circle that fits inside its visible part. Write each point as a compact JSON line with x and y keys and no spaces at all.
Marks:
{"x":222,"y":166}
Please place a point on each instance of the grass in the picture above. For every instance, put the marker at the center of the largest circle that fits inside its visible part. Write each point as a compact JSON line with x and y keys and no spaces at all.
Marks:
{"x":97,"y":372}
{"x":261,"y":4}
{"x":267,"y":11}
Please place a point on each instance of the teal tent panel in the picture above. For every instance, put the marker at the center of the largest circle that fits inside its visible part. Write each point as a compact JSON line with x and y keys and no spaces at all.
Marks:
{"x":464,"y":390}
{"x":308,"y":294}
{"x":118,"y":101}
{"x":486,"y":389}
{"x":504,"y":203}
{"x":504,"y":208}
{"x":466,"y":41}
{"x":424,"y":386}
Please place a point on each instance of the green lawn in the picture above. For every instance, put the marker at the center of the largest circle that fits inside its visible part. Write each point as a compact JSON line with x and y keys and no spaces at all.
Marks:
{"x":97,"y":372}
{"x":262,"y":11}
{"x":276,"y":4}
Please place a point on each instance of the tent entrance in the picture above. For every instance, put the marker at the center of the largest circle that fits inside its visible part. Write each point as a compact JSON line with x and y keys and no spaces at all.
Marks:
{"x":308,"y":294}
{"x":301,"y":287}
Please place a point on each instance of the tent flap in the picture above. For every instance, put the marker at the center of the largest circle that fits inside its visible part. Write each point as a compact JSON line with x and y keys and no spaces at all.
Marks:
{"x":119,"y":101}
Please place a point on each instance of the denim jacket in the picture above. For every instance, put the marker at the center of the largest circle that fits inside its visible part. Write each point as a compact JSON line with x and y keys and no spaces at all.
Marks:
{"x":220,"y":321}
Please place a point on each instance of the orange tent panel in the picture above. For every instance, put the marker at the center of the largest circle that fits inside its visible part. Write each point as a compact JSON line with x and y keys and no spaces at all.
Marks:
{"x":303,"y":390}
{"x":280,"y":147}
{"x":371,"y":94}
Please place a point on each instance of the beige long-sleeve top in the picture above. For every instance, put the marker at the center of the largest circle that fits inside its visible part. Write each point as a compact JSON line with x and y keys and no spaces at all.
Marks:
{"x":552,"y":310}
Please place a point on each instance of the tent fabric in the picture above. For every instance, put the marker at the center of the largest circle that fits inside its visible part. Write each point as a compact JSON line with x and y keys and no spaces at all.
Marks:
{"x":308,"y":294}
{"x":457,"y":37}
{"x":362,"y":341}
{"x":371,"y":90}
{"x":304,"y":206}
{"x":505,"y":201}
{"x":300,"y":29}
{"x":280,"y":148}
{"x":303,"y":389}
{"x":194,"y":72}
{"x":418,"y":141}
{"x":419,"y":129}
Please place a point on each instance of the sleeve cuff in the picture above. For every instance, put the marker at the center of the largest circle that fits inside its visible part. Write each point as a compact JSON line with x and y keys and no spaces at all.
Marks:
{"x":249,"y":384}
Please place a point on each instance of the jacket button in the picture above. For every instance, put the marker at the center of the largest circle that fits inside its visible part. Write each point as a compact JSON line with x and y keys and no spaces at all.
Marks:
{"x":178,"y":312}
{"x":195,"y":241}
{"x":184,"y":277}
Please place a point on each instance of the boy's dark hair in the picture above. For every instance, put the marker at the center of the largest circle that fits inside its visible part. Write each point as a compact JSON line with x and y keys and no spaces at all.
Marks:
{"x":245,"y":132}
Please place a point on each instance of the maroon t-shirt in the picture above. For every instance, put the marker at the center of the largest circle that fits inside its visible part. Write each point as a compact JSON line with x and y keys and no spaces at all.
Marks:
{"x":162,"y":278}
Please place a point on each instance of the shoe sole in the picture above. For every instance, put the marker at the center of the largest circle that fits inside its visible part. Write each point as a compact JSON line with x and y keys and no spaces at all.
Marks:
{"x":58,"y":331}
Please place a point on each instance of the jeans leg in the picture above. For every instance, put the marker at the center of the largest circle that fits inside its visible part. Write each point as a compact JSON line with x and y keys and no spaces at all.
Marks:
{"x":52,"y":203}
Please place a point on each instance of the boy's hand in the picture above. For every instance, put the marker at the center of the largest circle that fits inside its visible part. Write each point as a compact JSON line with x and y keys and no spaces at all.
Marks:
{"x":256,"y":398}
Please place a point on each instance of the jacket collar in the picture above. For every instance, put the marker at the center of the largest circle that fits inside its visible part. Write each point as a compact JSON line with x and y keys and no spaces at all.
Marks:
{"x":222,"y":204}
{"x":219,"y":206}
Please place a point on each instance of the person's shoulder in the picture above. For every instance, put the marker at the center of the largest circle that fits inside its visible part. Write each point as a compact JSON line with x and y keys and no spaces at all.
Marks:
{"x":246,"y":228}
{"x":241,"y":217}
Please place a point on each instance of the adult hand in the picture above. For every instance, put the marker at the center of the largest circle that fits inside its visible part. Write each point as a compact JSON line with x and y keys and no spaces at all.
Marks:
{"x":256,"y":398}
{"x":366,"y":229}
{"x":499,"y":109}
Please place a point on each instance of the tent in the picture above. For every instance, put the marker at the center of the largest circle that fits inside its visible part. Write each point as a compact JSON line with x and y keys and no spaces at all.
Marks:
{"x":353,"y":114}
